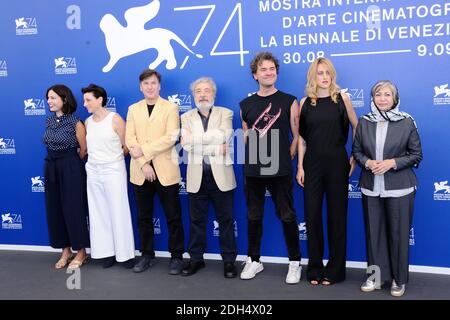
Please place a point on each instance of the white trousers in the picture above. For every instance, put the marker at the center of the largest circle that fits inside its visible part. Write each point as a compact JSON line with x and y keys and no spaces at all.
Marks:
{"x":111,"y":230}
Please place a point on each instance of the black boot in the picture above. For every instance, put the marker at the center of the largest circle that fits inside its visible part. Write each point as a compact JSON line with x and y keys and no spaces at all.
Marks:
{"x":109,"y":262}
{"x":129,"y":264}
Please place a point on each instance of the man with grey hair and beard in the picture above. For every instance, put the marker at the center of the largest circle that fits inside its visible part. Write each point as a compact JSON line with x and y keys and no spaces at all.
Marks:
{"x":205,"y":135}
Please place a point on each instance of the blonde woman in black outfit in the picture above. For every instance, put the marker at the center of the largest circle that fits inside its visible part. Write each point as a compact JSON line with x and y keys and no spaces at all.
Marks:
{"x":324,"y":168}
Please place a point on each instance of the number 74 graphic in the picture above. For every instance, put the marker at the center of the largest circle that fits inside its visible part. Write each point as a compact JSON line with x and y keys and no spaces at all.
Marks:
{"x":237,"y":10}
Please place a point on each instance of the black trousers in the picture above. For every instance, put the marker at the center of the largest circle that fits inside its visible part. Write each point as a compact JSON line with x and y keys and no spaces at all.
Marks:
{"x":326,"y":175}
{"x":280,"y":189}
{"x":66,"y":200}
{"x":170,"y":201}
{"x":388,"y":223}
{"x":223,"y":207}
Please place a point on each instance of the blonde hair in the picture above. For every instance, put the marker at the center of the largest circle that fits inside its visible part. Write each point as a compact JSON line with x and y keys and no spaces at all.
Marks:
{"x":311,"y":86}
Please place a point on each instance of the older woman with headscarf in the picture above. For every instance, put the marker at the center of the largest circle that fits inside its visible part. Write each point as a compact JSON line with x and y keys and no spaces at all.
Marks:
{"x":387,"y":147}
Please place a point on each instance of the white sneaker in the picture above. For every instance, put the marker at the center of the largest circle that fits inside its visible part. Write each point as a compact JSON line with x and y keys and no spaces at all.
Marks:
{"x":294,"y":272}
{"x":369,"y":286}
{"x":396,"y":290}
{"x":251,"y":269}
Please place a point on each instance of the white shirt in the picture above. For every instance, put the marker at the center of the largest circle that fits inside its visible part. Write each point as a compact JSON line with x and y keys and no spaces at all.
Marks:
{"x":103,"y":143}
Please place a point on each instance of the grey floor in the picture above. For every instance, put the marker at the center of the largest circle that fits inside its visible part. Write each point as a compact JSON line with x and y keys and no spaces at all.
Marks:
{"x":30,"y":275}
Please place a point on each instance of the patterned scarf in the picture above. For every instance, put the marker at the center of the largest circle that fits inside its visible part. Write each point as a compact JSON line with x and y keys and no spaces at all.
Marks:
{"x":376,"y":115}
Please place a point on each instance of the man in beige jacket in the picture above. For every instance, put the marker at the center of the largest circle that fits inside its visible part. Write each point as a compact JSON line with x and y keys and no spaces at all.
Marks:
{"x":152,"y":129}
{"x":206,"y":132}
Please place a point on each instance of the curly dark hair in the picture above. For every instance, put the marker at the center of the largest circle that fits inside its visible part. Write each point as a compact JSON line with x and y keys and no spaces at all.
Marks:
{"x":262,"y":56}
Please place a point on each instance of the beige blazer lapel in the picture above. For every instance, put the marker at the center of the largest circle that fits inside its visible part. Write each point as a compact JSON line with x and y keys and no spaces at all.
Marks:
{"x":214,"y":119}
{"x":195,"y":123}
{"x":156,"y":110}
{"x":141,"y":118}
{"x":213,"y":122}
{"x":142,"y":110}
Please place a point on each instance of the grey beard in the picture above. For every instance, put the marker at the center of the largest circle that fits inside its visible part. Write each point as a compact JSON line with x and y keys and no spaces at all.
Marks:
{"x":203,"y":106}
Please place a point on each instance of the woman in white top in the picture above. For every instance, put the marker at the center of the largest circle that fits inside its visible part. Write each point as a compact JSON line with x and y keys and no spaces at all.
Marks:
{"x":111,"y":230}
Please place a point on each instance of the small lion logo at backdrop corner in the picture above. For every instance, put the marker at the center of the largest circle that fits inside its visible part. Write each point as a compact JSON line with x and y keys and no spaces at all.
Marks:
{"x":442,"y":90}
{"x":2,"y":144}
{"x":21,"y":23}
{"x":6,"y":218}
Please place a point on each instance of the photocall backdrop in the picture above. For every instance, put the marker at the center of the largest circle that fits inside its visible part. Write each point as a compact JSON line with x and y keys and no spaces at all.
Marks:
{"x":110,"y":43}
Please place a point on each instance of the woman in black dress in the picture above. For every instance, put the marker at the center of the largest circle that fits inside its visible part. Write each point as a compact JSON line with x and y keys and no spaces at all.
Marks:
{"x":65,"y":178}
{"x":324,"y":168}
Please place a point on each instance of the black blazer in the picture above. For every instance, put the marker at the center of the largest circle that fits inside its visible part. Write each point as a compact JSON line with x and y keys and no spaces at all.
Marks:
{"x":402,"y":144}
